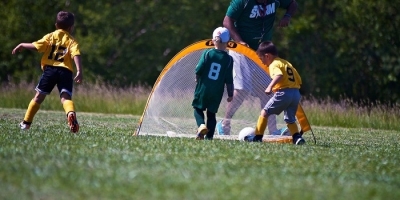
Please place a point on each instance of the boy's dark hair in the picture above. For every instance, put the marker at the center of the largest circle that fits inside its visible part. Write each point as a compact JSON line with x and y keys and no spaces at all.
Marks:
{"x":267,"y":47}
{"x":65,"y":20}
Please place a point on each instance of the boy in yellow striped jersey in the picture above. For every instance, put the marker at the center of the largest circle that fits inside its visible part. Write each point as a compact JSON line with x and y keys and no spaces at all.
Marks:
{"x":285,"y":85}
{"x":59,"y":50}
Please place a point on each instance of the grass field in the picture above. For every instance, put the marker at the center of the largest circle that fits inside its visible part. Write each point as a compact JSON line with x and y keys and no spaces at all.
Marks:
{"x":104,"y":161}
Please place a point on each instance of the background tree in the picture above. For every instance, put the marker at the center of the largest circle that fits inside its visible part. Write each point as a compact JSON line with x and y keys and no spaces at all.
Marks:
{"x":342,"y":48}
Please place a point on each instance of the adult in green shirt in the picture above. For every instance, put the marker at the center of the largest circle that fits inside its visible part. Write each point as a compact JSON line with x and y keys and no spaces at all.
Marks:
{"x":251,"y":22}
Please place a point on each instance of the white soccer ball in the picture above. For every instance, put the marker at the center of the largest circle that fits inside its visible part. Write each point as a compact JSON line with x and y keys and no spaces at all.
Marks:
{"x":248,"y":131}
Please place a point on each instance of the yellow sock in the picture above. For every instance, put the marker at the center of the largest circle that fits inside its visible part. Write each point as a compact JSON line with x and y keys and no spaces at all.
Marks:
{"x":293,"y":128}
{"x":261,"y":125}
{"x":68,"y":106}
{"x":33,"y":107}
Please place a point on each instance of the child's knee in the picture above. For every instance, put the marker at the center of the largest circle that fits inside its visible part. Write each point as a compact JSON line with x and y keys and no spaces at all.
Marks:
{"x":39,"y":98}
{"x":264,"y":113}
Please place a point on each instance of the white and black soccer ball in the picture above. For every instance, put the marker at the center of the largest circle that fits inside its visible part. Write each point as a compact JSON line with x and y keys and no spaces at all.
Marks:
{"x":246,"y":132}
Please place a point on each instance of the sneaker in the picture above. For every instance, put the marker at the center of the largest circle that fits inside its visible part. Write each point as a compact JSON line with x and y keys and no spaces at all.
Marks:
{"x":24,"y":125}
{"x":283,"y":131}
{"x":72,"y":122}
{"x":201,"y":132}
{"x":223,"y":129}
{"x":298,"y":140}
{"x":249,"y":138}
{"x":220,"y":129}
{"x":253,"y":138}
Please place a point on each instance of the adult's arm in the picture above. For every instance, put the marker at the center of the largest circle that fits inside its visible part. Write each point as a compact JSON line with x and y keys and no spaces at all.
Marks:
{"x":291,"y":9}
{"x":229,"y":23}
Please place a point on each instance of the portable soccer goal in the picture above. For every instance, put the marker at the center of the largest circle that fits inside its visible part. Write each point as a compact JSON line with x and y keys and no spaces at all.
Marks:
{"x":168,"y":111}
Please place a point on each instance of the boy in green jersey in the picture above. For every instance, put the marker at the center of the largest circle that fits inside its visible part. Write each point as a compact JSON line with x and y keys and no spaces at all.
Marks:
{"x":59,"y":50}
{"x":213,"y":72}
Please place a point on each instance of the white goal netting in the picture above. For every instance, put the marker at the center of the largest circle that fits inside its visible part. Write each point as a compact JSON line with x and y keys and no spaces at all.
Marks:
{"x":169,"y":109}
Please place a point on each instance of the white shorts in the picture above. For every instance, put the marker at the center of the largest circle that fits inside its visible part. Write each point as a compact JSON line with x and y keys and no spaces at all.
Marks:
{"x":248,"y":76}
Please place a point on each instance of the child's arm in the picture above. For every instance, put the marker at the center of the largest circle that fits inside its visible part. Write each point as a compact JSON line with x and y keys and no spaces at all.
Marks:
{"x":229,"y":89}
{"x":21,"y":46}
{"x":78,"y":64}
{"x":274,"y":81}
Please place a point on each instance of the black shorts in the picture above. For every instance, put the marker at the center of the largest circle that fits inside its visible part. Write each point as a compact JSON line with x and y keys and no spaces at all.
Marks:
{"x":52,"y":76}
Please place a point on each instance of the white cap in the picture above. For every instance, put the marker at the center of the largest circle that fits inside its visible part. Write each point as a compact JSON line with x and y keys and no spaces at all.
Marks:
{"x":223,"y":33}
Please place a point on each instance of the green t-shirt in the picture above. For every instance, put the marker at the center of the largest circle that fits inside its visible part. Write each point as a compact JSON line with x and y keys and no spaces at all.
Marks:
{"x":214,"y":71}
{"x":254,"y":21}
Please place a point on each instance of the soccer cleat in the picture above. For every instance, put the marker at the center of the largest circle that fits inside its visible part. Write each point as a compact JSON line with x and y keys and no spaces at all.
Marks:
{"x":24,"y":125}
{"x":72,"y":122}
{"x":297,"y":139}
{"x":253,"y":138}
{"x":201,"y":132}
{"x":249,"y":138}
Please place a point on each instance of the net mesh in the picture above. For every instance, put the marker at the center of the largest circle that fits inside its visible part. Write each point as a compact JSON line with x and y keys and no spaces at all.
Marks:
{"x":169,"y":107}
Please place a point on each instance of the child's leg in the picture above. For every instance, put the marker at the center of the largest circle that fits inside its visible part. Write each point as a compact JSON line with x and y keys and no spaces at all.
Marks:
{"x":293,"y":128}
{"x":65,"y":87}
{"x":199,"y":116}
{"x":272,"y":127}
{"x":202,"y":129}
{"x":211,"y":122}
{"x":44,"y":87}
{"x":69,"y":109}
{"x":67,"y":103}
{"x":294,"y":131}
{"x":290,"y":117}
{"x":261,"y":125}
{"x":33,"y":107}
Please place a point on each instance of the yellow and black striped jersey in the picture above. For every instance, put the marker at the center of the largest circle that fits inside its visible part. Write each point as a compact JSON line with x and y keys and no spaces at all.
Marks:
{"x":58,"y":48}
{"x":290,"y":76}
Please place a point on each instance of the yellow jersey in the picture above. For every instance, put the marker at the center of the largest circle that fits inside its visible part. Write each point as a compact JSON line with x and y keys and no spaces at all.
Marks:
{"x":58,"y":48}
{"x":290,"y":76}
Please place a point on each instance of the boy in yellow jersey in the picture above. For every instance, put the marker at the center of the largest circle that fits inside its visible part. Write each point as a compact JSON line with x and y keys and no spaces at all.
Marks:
{"x":59,"y":50}
{"x":285,"y":85}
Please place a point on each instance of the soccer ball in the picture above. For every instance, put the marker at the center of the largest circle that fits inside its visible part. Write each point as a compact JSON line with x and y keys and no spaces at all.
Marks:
{"x":247,"y":131}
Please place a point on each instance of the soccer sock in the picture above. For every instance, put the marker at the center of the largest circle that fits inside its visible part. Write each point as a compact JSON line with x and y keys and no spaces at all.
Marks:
{"x":199,"y":116}
{"x":33,"y":107}
{"x":293,"y":128}
{"x":211,"y":123}
{"x":261,"y":125}
{"x":68,"y":106}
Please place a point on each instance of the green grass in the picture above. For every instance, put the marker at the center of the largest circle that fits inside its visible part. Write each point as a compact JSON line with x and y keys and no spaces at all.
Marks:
{"x":104,"y":161}
{"x":98,"y":98}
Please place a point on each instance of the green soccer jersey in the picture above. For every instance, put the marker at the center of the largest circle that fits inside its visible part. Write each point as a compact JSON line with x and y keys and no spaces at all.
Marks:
{"x":214,"y":70}
{"x":254,"y":21}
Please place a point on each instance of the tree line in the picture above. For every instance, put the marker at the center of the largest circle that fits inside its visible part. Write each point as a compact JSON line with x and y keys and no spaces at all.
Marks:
{"x":342,"y":49}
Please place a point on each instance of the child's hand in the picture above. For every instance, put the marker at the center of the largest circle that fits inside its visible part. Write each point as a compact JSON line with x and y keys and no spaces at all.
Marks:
{"x":17,"y":49}
{"x":23,"y":46}
{"x":268,"y":90}
{"x":284,"y":22}
{"x":243,"y":43}
{"x":229,"y":99}
{"x":78,"y":78}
